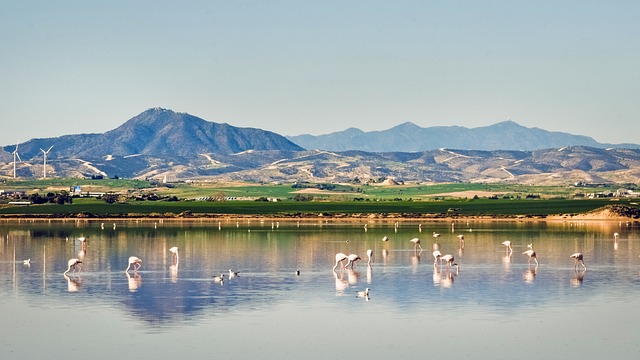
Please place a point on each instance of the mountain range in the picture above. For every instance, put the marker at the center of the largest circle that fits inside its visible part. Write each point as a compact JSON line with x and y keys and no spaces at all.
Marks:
{"x":163,"y":143}
{"x":408,"y":137}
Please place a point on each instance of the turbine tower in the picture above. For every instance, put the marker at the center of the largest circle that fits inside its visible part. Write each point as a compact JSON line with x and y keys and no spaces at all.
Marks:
{"x":44,"y":169}
{"x":15,"y":155}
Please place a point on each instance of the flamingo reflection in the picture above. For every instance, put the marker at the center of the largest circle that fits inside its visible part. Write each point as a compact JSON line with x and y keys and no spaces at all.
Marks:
{"x":530,"y":274}
{"x":341,"y":283}
{"x":73,"y":284}
{"x":134,"y":281}
{"x":578,"y":277}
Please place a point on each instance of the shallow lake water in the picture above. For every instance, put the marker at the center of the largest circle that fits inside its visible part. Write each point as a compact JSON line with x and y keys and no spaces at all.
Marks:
{"x":494,"y":306}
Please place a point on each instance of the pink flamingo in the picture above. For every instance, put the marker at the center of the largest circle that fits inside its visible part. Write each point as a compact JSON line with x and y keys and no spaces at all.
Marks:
{"x":136,"y":262}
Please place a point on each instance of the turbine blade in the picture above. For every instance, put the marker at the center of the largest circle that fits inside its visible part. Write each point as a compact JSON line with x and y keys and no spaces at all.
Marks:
{"x":51,"y":147}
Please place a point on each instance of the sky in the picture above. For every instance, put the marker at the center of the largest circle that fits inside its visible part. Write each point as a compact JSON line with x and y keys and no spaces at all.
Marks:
{"x":317,"y":67}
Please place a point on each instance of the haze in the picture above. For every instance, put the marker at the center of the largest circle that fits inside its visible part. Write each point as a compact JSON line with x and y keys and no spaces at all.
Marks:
{"x":295,"y":67}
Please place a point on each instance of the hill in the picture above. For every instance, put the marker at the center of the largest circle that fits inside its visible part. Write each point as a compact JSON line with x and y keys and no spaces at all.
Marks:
{"x":506,"y":135}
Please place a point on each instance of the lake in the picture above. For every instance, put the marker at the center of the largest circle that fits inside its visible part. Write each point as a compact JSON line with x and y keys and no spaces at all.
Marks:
{"x":494,"y":306}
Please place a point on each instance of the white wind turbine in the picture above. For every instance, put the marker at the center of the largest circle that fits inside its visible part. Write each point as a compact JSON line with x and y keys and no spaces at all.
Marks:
{"x":15,"y":155}
{"x":44,"y":169}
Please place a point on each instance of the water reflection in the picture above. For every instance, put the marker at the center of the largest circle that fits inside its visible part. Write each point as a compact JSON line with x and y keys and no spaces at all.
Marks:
{"x":285,"y":277}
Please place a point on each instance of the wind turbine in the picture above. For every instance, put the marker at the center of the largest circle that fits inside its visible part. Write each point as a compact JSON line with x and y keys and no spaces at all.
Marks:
{"x":44,"y":169}
{"x":15,"y":155}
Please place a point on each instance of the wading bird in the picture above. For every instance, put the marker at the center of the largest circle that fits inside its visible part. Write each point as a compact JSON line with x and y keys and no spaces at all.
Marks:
{"x":340,"y":257}
{"x":416,"y":244}
{"x":508,"y":245}
{"x":436,"y":235}
{"x":352,"y":258}
{"x":436,"y":256}
{"x":174,"y":254}
{"x":73,"y":263}
{"x":136,"y":262}
{"x":578,"y":258}
{"x":531,"y":254}
{"x":448,"y":259}
{"x":369,"y":256}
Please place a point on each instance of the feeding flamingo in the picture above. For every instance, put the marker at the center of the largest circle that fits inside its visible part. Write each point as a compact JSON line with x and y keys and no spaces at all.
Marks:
{"x":531,"y":254}
{"x":578,"y":258}
{"x":73,"y":263}
{"x":339,"y":258}
{"x":370,"y":256}
{"x":508,"y":245}
{"x":352,"y":258}
{"x":136,"y":262}
{"x":416,"y":244}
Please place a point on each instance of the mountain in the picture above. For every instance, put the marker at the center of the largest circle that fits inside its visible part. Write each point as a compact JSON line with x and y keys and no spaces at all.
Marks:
{"x":506,"y":135}
{"x":161,"y":133}
{"x":160,"y":143}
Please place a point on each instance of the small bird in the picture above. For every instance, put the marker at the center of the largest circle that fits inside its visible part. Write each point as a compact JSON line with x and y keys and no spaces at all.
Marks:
{"x":297,"y":271}
{"x":531,"y":254}
{"x":73,"y":263}
{"x":26,"y":262}
{"x":416,"y":244}
{"x":578,"y":258}
{"x":233,"y":274}
{"x":136,"y":262}
{"x":364,"y":293}
{"x":508,"y":245}
{"x":385,"y":238}
{"x":219,"y":279}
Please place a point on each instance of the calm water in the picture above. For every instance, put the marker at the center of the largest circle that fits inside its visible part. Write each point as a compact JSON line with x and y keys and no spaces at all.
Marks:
{"x":495,"y":307}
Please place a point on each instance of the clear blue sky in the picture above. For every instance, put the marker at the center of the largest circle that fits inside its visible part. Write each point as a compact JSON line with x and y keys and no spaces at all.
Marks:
{"x":317,"y":67}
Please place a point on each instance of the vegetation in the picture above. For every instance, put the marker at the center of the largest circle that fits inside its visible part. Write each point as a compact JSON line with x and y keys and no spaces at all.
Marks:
{"x":121,"y":197}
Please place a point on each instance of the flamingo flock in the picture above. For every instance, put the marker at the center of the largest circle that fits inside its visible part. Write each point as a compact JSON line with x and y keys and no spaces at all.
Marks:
{"x":446,"y":260}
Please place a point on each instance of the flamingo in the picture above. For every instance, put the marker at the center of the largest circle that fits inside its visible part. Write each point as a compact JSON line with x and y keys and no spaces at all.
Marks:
{"x":352,"y":258}
{"x":370,"y":256}
{"x":436,"y":256}
{"x":578,"y":258}
{"x":436,"y":235}
{"x":364,"y":293}
{"x":416,"y":243}
{"x":615,"y":236}
{"x":339,"y":258}
{"x":136,"y":262}
{"x":531,"y":254}
{"x":447,"y":259}
{"x":508,"y":245}
{"x":174,"y":251}
{"x":461,"y":238}
{"x":73,"y":263}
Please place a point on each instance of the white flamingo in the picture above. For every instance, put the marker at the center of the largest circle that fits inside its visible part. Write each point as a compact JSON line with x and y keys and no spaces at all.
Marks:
{"x":340,"y":257}
{"x":508,"y":245}
{"x":578,"y":258}
{"x":436,"y":256}
{"x":352,"y":258}
{"x":531,"y":254}
{"x":136,"y":262}
{"x":369,"y":256}
{"x":73,"y":263}
{"x":416,"y":244}
{"x":448,"y":259}
{"x":436,"y":235}
{"x":174,"y":253}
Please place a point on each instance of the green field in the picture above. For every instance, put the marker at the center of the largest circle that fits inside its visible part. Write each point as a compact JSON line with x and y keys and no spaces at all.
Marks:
{"x":344,"y":199}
